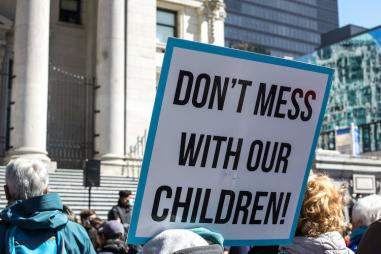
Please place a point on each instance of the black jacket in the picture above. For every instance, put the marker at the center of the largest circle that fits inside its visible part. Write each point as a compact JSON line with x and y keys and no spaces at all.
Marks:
{"x":120,"y":212}
{"x":114,"y":246}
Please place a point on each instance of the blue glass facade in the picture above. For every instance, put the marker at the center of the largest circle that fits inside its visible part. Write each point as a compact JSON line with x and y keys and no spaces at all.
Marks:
{"x":282,"y":27}
{"x":356,"y":88}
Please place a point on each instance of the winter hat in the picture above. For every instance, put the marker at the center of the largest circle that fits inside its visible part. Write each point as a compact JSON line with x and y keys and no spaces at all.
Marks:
{"x":172,"y":240}
{"x":210,"y":236}
{"x":112,"y":229}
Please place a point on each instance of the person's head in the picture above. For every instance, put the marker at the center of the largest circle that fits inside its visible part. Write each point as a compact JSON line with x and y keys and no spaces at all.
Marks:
{"x":322,"y":209}
{"x":86,"y":216}
{"x":70,"y":214}
{"x":124,"y":197}
{"x":112,"y":229}
{"x":172,"y":240}
{"x":366,"y":210}
{"x":25,"y":178}
{"x":97,"y":222}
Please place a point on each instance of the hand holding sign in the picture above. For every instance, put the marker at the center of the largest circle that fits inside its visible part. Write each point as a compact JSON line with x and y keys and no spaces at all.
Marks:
{"x":230,"y":145}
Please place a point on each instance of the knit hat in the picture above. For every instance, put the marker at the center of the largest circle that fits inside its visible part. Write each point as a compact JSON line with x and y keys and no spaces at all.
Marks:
{"x":112,"y":229}
{"x":210,"y":236}
{"x":172,"y":240}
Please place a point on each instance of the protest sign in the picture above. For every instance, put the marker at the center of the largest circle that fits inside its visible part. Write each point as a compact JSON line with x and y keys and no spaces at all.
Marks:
{"x":230,"y":144}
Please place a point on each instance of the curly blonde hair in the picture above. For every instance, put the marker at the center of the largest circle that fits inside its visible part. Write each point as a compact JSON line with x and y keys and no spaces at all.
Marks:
{"x":322,"y":209}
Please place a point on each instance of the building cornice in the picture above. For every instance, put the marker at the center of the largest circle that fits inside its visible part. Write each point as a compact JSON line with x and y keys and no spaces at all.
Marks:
{"x":336,"y":161}
{"x":188,"y":3}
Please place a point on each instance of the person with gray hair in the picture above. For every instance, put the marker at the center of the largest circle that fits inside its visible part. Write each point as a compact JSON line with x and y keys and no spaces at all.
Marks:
{"x":25,"y":179}
{"x":365,"y":211}
{"x":34,"y":219}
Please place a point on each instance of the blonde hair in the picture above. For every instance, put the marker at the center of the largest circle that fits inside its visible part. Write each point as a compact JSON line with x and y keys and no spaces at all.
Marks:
{"x":322,"y":209}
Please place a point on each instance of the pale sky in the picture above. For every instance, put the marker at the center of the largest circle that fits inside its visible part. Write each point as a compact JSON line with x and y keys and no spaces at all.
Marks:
{"x":366,"y":13}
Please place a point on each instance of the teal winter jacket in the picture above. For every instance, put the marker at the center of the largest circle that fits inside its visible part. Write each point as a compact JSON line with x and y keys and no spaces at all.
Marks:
{"x":45,"y":212}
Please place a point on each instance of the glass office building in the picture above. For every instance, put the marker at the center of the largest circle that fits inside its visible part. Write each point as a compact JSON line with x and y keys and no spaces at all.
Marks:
{"x":279,"y":27}
{"x":356,"y":88}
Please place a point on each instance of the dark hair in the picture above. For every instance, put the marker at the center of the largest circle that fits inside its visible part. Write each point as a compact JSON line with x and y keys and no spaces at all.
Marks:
{"x":85,"y":213}
{"x":125,"y":193}
{"x":70,"y":214}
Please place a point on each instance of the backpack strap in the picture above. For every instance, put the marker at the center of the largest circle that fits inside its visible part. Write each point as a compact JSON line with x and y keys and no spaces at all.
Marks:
{"x":10,"y":237}
{"x":60,"y":242}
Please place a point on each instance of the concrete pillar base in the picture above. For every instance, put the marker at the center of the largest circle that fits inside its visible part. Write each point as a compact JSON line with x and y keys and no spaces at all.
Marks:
{"x":112,"y":165}
{"x":30,"y":153}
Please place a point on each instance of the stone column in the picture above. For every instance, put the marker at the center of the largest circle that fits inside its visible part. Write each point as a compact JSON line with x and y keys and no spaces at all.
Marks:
{"x":109,"y":125}
{"x":215,"y":13}
{"x":141,"y":67}
{"x":30,"y":86}
{"x":91,"y":36}
{"x":204,"y":24}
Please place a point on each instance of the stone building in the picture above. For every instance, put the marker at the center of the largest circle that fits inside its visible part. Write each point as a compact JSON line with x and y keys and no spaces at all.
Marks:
{"x":357,"y":176}
{"x":78,"y":77}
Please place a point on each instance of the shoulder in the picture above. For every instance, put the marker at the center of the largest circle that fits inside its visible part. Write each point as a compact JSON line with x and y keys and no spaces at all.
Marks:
{"x":74,"y":228}
{"x":114,"y":208}
{"x":371,"y":239}
{"x":334,"y":241}
{"x":374,"y":231}
{"x":375,"y":226}
{"x":331,"y":242}
{"x":76,"y":239}
{"x":113,"y":212}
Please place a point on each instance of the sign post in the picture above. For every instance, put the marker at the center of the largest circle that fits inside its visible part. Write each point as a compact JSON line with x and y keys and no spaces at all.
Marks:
{"x":230,"y":145}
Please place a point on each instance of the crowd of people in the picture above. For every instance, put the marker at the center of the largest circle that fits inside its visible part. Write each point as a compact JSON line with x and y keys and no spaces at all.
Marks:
{"x":36,"y":221}
{"x":110,"y":236}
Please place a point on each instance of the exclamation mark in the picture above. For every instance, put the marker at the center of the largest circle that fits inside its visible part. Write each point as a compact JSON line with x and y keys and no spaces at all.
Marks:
{"x":285,"y":207}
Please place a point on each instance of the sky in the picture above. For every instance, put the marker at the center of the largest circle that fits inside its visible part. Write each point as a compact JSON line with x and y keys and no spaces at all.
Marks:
{"x":366,"y":13}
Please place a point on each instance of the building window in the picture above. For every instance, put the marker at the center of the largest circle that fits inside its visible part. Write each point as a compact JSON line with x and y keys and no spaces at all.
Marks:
{"x":165,"y":25}
{"x":70,"y":11}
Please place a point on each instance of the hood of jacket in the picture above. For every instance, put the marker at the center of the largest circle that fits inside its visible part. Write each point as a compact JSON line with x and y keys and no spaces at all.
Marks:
{"x":42,"y":212}
{"x":327,"y":243}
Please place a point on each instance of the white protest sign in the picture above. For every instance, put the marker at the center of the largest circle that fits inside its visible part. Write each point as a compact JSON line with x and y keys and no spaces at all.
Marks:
{"x":230,"y":145}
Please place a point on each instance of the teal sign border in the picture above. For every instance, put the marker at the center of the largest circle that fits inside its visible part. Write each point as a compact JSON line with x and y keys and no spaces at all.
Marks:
{"x":177,"y":43}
